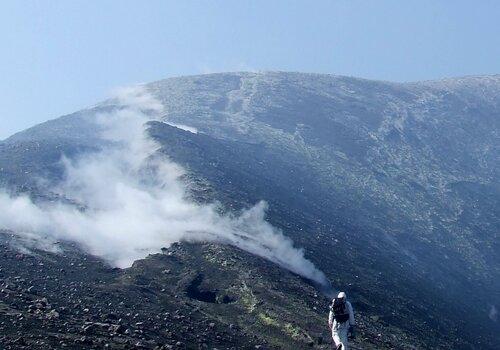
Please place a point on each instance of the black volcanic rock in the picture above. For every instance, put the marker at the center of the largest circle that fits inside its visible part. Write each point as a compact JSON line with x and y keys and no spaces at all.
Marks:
{"x":252,"y":303}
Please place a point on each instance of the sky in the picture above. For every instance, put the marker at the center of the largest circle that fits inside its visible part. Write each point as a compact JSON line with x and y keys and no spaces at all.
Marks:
{"x":59,"y":56}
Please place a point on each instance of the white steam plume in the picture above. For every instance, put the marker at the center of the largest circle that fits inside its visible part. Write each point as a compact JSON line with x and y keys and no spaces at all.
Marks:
{"x":493,"y":313}
{"x":135,"y":202}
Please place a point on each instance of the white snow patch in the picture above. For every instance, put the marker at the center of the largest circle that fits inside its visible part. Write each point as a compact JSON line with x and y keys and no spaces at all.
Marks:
{"x":191,"y":129}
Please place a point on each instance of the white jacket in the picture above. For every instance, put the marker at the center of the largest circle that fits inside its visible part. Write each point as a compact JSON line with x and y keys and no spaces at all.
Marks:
{"x":352,"y":322}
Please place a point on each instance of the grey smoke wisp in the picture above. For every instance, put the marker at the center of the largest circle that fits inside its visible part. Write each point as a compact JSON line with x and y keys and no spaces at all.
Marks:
{"x":135,"y":201}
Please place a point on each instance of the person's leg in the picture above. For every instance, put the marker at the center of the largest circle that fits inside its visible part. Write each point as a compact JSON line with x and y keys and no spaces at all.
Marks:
{"x":336,"y":338}
{"x":343,"y":335}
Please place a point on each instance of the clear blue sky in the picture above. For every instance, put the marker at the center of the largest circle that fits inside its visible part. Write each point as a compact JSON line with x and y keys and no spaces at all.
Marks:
{"x":59,"y":56}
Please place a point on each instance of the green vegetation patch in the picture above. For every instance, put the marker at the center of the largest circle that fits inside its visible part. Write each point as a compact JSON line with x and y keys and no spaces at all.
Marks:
{"x":248,"y":298}
{"x":268,"y":320}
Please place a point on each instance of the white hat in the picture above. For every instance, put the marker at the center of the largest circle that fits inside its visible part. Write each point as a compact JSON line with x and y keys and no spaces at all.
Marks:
{"x":341,"y":295}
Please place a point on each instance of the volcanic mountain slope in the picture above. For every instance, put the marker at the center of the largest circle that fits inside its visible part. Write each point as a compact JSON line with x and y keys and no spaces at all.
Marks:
{"x":392,"y":189}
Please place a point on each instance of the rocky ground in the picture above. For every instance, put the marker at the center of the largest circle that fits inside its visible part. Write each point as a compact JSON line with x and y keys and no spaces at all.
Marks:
{"x":190,"y":296}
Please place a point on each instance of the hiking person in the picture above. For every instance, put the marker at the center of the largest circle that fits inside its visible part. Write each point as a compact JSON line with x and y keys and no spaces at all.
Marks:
{"x":341,"y":321}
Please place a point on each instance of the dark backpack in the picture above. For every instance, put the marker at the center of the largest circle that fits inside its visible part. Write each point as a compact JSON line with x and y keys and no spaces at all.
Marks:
{"x":340,"y":311}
